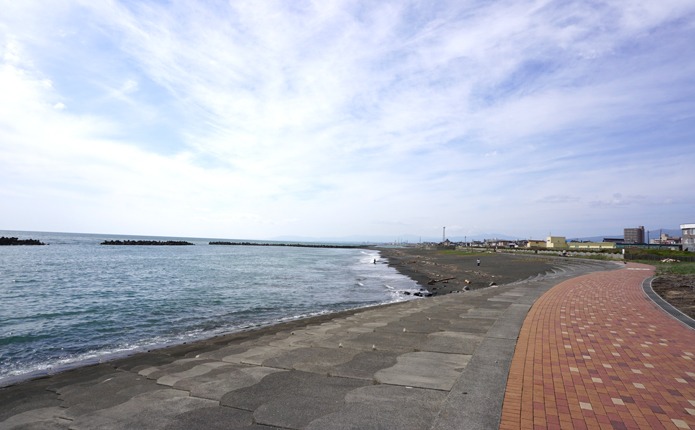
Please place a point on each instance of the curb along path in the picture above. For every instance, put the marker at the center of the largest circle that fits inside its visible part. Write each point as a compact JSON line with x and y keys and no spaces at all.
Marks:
{"x":595,"y":352}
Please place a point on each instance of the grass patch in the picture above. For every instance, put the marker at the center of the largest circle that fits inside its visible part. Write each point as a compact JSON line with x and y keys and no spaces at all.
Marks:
{"x":682,"y":268}
{"x":651,"y":254}
{"x":595,"y":256}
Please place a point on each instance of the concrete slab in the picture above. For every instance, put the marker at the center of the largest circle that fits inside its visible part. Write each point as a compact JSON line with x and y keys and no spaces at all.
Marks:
{"x":365,"y":364}
{"x":225,"y":351}
{"x":316,"y":360}
{"x":475,"y":400}
{"x":507,"y":326}
{"x":47,"y":418}
{"x":452,"y":342}
{"x":292,"y":399}
{"x":214,"y":418}
{"x":256,"y":355}
{"x":216,"y":384}
{"x":153,"y":410}
{"x":390,"y":341}
{"x":197,"y":370}
{"x":104,"y":392}
{"x":432,"y":370}
{"x":482,"y":313}
{"x":383,"y":407}
{"x":34,"y":397}
{"x":176,"y":366}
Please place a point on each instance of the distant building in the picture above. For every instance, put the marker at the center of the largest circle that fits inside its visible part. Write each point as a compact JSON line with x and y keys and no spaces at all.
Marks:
{"x":447,"y":244}
{"x":665,"y":239}
{"x":535,"y":243}
{"x":613,"y":239}
{"x":557,"y":242}
{"x":500,"y":243}
{"x":688,"y":237}
{"x":591,"y":245}
{"x":634,"y":235}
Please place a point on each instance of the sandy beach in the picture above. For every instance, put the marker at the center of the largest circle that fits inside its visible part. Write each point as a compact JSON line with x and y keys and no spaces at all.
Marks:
{"x":443,"y":272}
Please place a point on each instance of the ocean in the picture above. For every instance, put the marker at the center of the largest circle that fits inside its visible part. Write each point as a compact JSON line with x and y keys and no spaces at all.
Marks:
{"x":76,"y":302}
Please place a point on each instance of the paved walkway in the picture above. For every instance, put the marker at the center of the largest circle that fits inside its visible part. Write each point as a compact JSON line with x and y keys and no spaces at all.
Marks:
{"x":595,"y":352}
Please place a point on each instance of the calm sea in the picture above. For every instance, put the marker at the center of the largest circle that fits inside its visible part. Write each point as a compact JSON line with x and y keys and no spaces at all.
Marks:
{"x":76,"y":302}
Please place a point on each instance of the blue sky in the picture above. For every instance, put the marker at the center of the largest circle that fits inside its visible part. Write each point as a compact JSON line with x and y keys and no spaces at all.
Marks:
{"x":259,"y":119}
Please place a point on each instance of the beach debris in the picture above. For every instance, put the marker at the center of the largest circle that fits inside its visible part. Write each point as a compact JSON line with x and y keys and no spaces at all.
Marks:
{"x":373,"y":347}
{"x":434,"y":281}
{"x":340,"y":345}
{"x":404,"y":330}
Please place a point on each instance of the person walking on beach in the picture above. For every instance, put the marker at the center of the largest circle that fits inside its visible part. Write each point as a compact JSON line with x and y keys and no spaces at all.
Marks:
{"x":477,"y":262}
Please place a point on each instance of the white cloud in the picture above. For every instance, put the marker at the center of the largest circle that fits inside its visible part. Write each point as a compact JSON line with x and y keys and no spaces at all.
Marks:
{"x":336,"y":118}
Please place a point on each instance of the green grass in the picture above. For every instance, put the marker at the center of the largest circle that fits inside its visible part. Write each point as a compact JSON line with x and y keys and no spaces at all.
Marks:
{"x":596,"y":256}
{"x":682,"y":268}
{"x":660,"y":253}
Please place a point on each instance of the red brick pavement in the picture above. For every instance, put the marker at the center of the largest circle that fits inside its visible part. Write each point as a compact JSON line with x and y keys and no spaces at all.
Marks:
{"x":596,"y":352}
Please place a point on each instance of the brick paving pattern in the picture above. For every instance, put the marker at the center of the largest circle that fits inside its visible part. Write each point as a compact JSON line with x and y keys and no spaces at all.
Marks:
{"x":594,"y":352}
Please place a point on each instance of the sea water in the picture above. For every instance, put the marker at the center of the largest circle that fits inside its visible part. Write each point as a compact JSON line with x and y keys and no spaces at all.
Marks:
{"x":75,"y":302}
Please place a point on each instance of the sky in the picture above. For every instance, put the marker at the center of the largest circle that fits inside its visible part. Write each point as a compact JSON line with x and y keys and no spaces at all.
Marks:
{"x":345,"y":119}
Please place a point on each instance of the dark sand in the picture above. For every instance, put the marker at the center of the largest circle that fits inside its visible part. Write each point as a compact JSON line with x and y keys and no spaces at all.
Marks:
{"x":432,"y":268}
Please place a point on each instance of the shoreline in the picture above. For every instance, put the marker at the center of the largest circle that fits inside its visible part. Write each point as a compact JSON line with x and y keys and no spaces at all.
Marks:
{"x":200,"y":343}
{"x":419,"y":264}
{"x":444,"y":272}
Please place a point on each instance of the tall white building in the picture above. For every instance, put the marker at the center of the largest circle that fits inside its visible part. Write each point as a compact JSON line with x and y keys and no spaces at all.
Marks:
{"x":688,"y":239}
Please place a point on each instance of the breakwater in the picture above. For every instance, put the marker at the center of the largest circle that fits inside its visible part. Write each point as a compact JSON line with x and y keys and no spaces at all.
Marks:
{"x":146,"y":242}
{"x":11,"y":241}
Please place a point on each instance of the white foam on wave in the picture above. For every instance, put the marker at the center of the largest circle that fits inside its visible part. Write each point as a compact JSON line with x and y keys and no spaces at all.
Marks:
{"x":368,"y":257}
